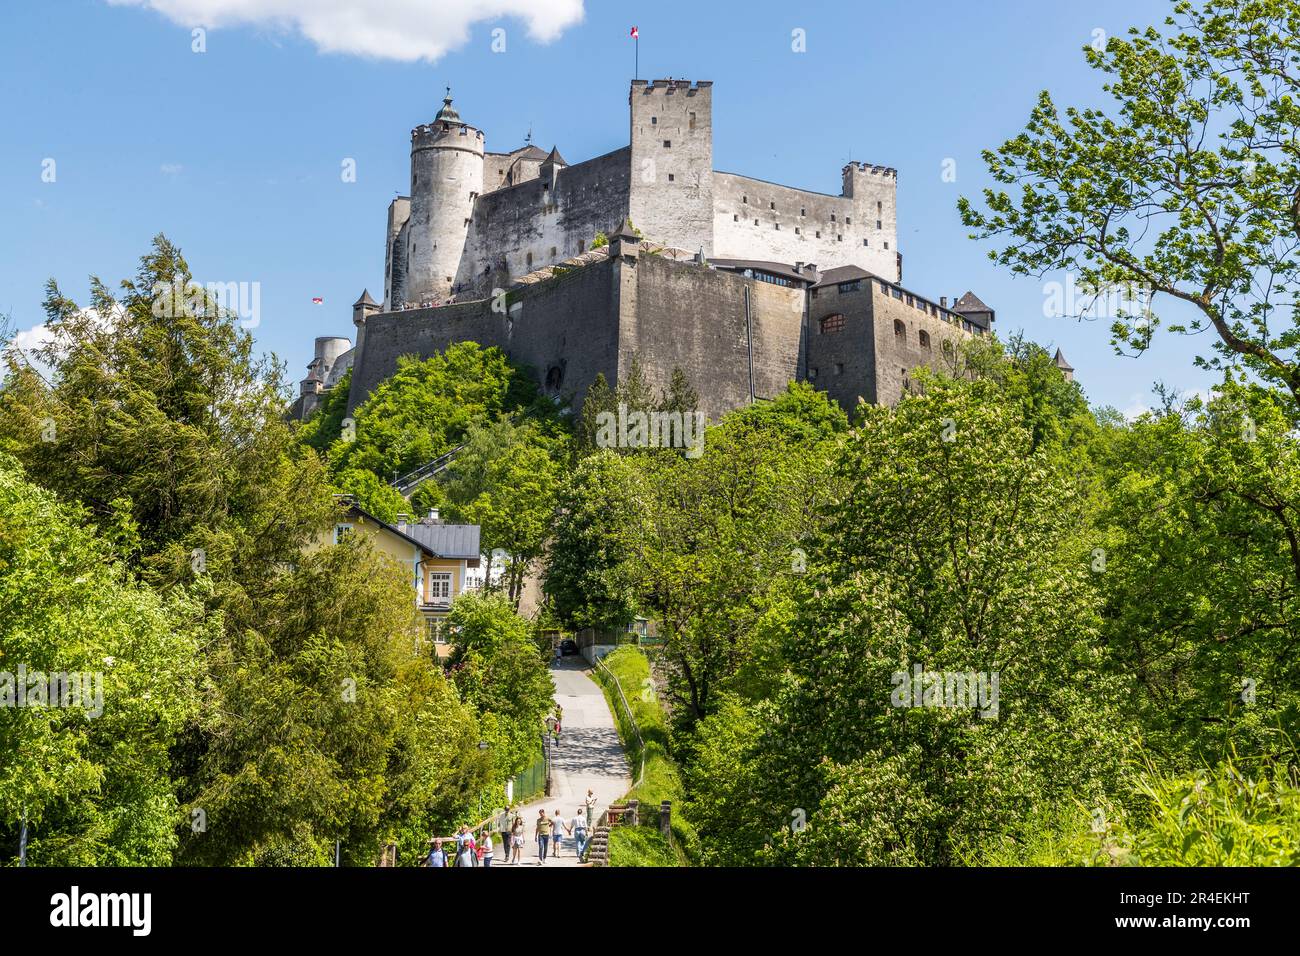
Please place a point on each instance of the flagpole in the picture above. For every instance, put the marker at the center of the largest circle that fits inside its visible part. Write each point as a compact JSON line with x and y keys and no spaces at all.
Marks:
{"x":637,"y":70}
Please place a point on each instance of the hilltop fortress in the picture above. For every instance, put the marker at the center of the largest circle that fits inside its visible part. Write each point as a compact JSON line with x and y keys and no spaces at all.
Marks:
{"x":650,"y":253}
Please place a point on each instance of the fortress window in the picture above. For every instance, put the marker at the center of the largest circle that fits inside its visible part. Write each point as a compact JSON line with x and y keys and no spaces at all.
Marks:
{"x":898,"y":293}
{"x":529,"y":259}
{"x":690,"y":121}
{"x":803,"y":211}
{"x":778,"y":227}
{"x":839,"y":368}
{"x":756,"y":222}
{"x":886,"y":245}
{"x":925,"y":340}
{"x":812,"y":374}
{"x":832,"y":323}
{"x":839,"y":238}
{"x":771,"y":205}
{"x":668,"y":144}
{"x":670,"y":178}
{"x":900,"y":330}
{"x":852,"y":285}
{"x":848,"y":220}
{"x":745,"y":200}
{"x":878,"y":224}
{"x":796,"y":230}
{"x":865,"y":243}
{"x":880,"y":207}
{"x":552,"y":252}
{"x":832,"y":217}
{"x":735,"y":218}
{"x":654,"y":121}
{"x":819,"y":233}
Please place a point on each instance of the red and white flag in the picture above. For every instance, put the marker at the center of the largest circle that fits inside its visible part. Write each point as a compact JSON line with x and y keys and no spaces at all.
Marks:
{"x":317,"y":300}
{"x":635,"y":34}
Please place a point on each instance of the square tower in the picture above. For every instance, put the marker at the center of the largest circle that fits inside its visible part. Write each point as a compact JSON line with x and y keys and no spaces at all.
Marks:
{"x":671,"y":194}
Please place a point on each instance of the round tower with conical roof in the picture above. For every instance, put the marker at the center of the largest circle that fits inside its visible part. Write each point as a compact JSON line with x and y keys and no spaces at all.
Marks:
{"x":446,"y":179}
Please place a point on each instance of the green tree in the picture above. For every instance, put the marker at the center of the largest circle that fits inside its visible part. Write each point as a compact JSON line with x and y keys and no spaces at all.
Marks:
{"x":1189,"y":187}
{"x":91,"y":778}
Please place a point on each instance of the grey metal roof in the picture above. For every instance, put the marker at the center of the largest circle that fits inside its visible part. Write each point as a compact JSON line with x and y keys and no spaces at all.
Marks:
{"x":970,"y":302}
{"x":445,"y":540}
{"x":555,"y":157}
{"x":783,"y":269}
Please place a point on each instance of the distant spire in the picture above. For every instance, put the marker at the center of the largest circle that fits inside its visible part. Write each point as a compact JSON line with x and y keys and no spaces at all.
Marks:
{"x":448,"y":112}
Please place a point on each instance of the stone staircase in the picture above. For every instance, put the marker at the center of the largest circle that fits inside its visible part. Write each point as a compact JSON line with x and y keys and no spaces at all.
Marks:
{"x":598,"y":848}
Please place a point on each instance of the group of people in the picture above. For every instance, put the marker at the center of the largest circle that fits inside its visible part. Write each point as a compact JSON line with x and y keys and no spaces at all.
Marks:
{"x":550,"y":833}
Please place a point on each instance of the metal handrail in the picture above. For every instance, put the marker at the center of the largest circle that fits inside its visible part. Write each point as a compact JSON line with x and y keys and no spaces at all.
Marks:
{"x":630,"y":719}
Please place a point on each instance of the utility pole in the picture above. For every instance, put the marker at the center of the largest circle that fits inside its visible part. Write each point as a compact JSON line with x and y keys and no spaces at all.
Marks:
{"x":22,"y":840}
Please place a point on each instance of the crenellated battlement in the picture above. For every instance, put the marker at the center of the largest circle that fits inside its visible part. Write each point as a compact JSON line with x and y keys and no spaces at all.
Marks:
{"x":870,"y":169}
{"x":671,"y":87}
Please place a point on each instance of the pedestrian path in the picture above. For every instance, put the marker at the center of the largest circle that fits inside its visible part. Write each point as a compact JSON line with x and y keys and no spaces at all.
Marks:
{"x":589,"y":756}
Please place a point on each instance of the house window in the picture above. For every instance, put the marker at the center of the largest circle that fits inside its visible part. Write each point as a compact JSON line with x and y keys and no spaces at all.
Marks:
{"x":832,"y":323}
{"x":436,"y":629}
{"x":851,"y":286}
{"x":341,"y":531}
{"x":925,"y":339}
{"x":900,"y":329}
{"x":439,"y":587}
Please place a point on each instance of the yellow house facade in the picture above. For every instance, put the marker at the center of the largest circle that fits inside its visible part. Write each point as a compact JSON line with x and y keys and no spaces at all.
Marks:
{"x":435,"y":555}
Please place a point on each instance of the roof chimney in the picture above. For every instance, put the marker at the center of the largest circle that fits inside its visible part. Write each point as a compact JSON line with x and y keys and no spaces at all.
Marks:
{"x":943,"y":302}
{"x":798,"y":267}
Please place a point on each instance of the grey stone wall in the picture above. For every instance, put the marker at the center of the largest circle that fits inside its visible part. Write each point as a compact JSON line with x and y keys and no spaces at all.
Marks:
{"x":900,"y":349}
{"x":841,"y":357}
{"x":565,"y":330}
{"x":519,"y":229}
{"x":682,"y":315}
{"x":760,"y":220}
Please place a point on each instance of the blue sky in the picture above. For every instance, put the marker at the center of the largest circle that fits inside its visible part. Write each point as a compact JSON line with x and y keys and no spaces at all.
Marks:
{"x":236,"y":153}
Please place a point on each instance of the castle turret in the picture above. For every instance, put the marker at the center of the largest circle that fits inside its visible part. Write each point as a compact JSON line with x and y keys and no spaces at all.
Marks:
{"x":362,"y":309}
{"x":671,"y":195}
{"x":446,"y":179}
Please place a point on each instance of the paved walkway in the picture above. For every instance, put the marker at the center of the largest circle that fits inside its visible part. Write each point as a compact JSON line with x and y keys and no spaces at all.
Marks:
{"x":589,"y":756}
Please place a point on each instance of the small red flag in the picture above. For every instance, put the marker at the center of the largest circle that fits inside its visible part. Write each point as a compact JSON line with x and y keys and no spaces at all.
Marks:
{"x":636,"y":34}
{"x":317,"y":300}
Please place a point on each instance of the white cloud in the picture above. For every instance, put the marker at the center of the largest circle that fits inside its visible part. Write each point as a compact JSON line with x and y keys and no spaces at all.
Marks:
{"x":171,"y":169}
{"x":390,"y":29}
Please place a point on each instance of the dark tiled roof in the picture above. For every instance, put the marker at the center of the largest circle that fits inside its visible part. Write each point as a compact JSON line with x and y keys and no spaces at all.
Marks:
{"x":365,"y":299}
{"x":970,"y":302}
{"x":842,"y":274}
{"x":555,"y":157}
{"x":783,"y":269}
{"x":1061,"y":363}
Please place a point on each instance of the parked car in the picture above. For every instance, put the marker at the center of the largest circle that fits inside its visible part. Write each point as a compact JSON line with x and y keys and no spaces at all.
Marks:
{"x":569,"y":646}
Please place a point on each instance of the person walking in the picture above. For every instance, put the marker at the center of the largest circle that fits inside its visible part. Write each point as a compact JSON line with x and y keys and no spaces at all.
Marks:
{"x":506,"y":842}
{"x":437,"y":856}
{"x":591,"y":809}
{"x":542,"y":830}
{"x":516,"y":839}
{"x":465,"y":847}
{"x":485,"y":847}
{"x":558,"y":827}
{"x":579,"y":828}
